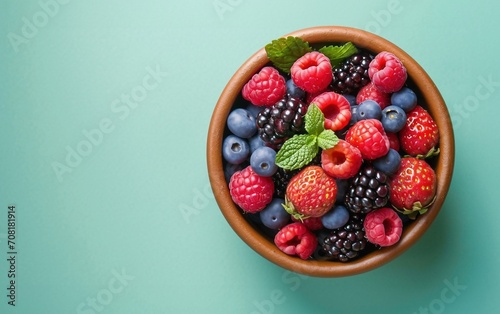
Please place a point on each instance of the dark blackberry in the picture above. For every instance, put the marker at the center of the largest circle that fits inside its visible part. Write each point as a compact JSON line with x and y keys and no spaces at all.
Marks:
{"x":281,"y":121}
{"x":281,"y":179}
{"x":352,"y":74}
{"x":343,"y":244}
{"x":368,"y":190}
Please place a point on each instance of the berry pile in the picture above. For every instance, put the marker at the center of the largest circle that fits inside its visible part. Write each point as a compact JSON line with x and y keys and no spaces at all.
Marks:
{"x":330,"y":151}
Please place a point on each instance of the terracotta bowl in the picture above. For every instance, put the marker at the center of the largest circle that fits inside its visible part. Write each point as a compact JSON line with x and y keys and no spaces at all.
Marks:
{"x":429,"y":97}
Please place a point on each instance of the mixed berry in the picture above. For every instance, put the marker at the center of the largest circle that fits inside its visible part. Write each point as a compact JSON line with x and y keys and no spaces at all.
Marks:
{"x":329,"y":151}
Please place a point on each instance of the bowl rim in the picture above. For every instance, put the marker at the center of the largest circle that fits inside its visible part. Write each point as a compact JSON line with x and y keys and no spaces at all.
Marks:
{"x":258,"y":242}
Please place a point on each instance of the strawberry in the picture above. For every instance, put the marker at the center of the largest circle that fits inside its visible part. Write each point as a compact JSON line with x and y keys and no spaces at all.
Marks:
{"x":413,"y":187}
{"x":420,"y":134}
{"x":310,"y":193}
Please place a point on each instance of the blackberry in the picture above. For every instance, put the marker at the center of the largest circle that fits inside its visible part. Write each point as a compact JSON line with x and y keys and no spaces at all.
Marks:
{"x":368,"y":190}
{"x":281,"y":121}
{"x":343,"y":244}
{"x":281,"y":179}
{"x":352,"y":74}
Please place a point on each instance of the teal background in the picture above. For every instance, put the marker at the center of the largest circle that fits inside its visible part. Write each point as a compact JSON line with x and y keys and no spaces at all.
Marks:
{"x":112,"y":229}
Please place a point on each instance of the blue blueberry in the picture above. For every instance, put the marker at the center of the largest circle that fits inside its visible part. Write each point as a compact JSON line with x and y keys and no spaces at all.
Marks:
{"x":293,"y":91}
{"x":351,"y":99}
{"x":230,"y":169}
{"x":393,"y":118}
{"x":253,"y":109}
{"x":263,"y":161}
{"x":241,"y":123}
{"x":368,"y":109}
{"x":337,"y":217}
{"x":405,"y":98}
{"x":235,"y":150}
{"x":255,"y":142}
{"x":354,"y":115}
{"x":389,"y":164}
{"x":274,"y":216}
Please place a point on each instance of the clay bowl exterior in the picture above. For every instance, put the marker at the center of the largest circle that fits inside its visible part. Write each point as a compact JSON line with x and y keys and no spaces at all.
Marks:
{"x":429,"y":97}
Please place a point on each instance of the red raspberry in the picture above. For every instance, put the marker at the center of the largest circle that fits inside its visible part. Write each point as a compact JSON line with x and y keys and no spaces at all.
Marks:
{"x":265,"y":88}
{"x":312,"y":223}
{"x":371,"y":92}
{"x":393,"y":141}
{"x":250,"y":191}
{"x":383,"y":226}
{"x":296,"y":239}
{"x":369,"y":137}
{"x":312,"y":72}
{"x":387,"y":72}
{"x":342,"y":161}
{"x":335,"y":108}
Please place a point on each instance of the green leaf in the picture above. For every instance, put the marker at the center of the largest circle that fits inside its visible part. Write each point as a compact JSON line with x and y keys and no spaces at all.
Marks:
{"x":314,"y":120}
{"x":297,"y":151}
{"x":283,"y":52}
{"x":337,"y":54}
{"x":327,"y":139}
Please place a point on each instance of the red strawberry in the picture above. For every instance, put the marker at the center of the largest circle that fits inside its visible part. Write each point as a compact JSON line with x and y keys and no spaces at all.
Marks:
{"x":369,"y":137}
{"x":413,"y":187}
{"x":420,"y":134}
{"x":311,"y":192}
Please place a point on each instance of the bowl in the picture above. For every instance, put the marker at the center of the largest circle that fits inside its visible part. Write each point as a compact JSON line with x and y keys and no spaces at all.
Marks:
{"x":261,"y":242}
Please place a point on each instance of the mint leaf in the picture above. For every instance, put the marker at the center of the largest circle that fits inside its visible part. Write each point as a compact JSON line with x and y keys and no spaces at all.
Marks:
{"x":283,"y":52}
{"x":314,"y":120}
{"x":337,"y":54}
{"x":327,"y":139}
{"x":297,"y":151}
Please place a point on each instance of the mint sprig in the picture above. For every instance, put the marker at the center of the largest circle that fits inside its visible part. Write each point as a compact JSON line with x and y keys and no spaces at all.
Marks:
{"x":337,"y":54}
{"x":283,"y":52}
{"x":300,"y":149}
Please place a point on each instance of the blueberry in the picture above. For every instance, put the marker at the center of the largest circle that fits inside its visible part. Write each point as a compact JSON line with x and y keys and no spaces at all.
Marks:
{"x":230,"y":169}
{"x":369,"y":109}
{"x":241,"y":123}
{"x":263,"y":161}
{"x":253,"y":109}
{"x":337,"y":217}
{"x":405,"y":98}
{"x":351,"y":99}
{"x":389,"y":163}
{"x":274,"y":216}
{"x":255,"y":142}
{"x":293,"y":91}
{"x":354,"y":115}
{"x":235,"y":150}
{"x":393,"y":118}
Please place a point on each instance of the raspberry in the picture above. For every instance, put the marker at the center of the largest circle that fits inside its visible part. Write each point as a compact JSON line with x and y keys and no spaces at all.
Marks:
{"x":265,"y":88}
{"x":369,"y":137}
{"x":383,"y":226}
{"x":250,"y":191}
{"x":393,"y":140}
{"x":342,"y":161}
{"x":371,"y":92}
{"x":387,"y":72}
{"x":312,"y":72}
{"x":335,"y":108}
{"x":296,"y":239}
